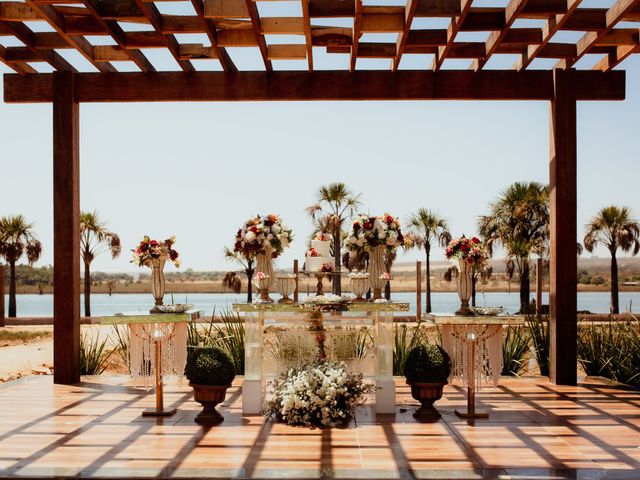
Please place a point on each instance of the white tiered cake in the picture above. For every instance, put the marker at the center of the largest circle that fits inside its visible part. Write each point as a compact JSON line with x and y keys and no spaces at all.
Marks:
{"x":319,"y":254}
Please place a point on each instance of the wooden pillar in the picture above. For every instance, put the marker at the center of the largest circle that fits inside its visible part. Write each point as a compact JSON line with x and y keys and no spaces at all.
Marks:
{"x":418,"y":290}
{"x":1,"y":295}
{"x":295,"y":271}
{"x":66,"y":230}
{"x":563,"y":259}
{"x":539,"y":274}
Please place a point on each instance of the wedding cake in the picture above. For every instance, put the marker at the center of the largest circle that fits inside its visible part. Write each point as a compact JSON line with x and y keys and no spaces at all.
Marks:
{"x":319,"y":254}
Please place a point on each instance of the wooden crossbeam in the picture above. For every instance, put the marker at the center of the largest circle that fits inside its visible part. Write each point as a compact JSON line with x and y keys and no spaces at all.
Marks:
{"x":331,"y":8}
{"x":409,"y":13}
{"x":153,"y":15}
{"x":614,"y":14}
{"x":282,"y":26}
{"x":619,"y":54}
{"x":287,"y":52}
{"x":110,"y":25}
{"x":183,"y":24}
{"x":319,"y":85}
{"x":21,"y":68}
{"x":491,"y":45}
{"x":26,"y":36}
{"x":437,"y":8}
{"x":452,"y":31}
{"x":210,"y":29}
{"x":262,"y":44}
{"x":59,"y":23}
{"x":17,"y":12}
{"x":357,"y":25}
{"x":553,"y":24}
{"x":307,"y":33}
{"x":483,"y":19}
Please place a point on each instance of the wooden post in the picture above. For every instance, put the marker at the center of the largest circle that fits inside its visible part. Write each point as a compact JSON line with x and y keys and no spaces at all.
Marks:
{"x":1,"y":295}
{"x":66,"y":230}
{"x":295,"y":271}
{"x":563,"y":259}
{"x":539,"y":286}
{"x":418,"y":290}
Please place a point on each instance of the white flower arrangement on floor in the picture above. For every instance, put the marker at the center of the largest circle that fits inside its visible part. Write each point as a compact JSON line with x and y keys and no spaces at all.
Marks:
{"x":321,"y":395}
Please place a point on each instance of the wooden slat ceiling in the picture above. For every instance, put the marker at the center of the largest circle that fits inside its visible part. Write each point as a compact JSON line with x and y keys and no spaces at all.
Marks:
{"x":129,"y":27}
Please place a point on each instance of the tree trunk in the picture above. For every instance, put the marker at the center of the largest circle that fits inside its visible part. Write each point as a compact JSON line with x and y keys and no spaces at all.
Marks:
{"x":387,"y":287}
{"x":87,"y":289}
{"x":427,"y":249}
{"x":615,"y":307}
{"x":249,"y":272}
{"x":12,"y":289}
{"x":525,"y":287}
{"x":337,"y":280}
{"x":474,"y":280}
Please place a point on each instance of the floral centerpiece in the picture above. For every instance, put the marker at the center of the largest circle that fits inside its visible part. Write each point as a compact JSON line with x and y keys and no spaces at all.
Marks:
{"x":375,"y":236}
{"x":321,"y":395}
{"x":153,"y":254}
{"x":468,"y":252}
{"x":263,"y":238}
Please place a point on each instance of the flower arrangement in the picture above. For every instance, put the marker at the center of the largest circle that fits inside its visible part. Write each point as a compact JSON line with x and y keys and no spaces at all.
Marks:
{"x":258,"y":233}
{"x":385,"y":276}
{"x":468,"y":249}
{"x":323,"y":237}
{"x":320,"y":395}
{"x":312,"y":252}
{"x":149,"y":250}
{"x":261,"y":278}
{"x":368,"y":232}
{"x":327,"y":268}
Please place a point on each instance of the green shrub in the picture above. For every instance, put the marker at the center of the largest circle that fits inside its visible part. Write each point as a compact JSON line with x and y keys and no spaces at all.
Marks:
{"x":515,"y":346}
{"x":229,"y":337}
{"x":427,"y":363}
{"x":208,"y":366}
{"x":94,"y":356}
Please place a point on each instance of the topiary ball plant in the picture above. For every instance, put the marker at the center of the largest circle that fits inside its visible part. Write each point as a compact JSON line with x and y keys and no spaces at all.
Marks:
{"x":209,"y":366}
{"x":427,"y":364}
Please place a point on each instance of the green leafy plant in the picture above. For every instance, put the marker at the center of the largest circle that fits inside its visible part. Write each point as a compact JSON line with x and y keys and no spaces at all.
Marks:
{"x":404,"y":342}
{"x":427,"y":363}
{"x":208,"y":366}
{"x":122,"y":339}
{"x":515,"y":346}
{"x":230,"y":338}
{"x":94,"y":355}
{"x":538,"y":326}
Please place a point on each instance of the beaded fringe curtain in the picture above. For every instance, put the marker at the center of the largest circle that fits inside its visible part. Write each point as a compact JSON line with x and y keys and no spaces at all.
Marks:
{"x":488,"y":352}
{"x":172,"y":338}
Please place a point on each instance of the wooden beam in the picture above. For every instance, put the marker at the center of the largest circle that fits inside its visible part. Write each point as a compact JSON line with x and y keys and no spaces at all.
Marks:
{"x":452,"y":31}
{"x":60,"y":24}
{"x":614,"y":14}
{"x":282,"y":26}
{"x":380,"y":23}
{"x":438,"y":8}
{"x":26,"y":36}
{"x":225,"y":9}
{"x":262,"y":44}
{"x":614,"y":58}
{"x":325,"y":85}
{"x":17,"y":12}
{"x":554,"y":23}
{"x":66,"y":229}
{"x":308,"y":38}
{"x":409,"y":13}
{"x":563,"y":263}
{"x":357,"y":25}
{"x":212,"y":35}
{"x":331,"y":8}
{"x":49,"y":41}
{"x":287,"y":52}
{"x":495,"y":37}
{"x":418,"y":290}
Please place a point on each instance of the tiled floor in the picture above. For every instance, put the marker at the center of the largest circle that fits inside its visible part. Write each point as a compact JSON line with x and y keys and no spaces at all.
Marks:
{"x":536,"y":430}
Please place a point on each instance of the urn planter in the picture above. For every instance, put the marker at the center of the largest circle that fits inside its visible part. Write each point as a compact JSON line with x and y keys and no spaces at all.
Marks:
{"x":209,"y":396}
{"x":426,"y":393}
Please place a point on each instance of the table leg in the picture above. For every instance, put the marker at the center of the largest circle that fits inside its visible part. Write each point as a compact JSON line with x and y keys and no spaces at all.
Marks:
{"x":471,"y":384}
{"x":159,"y":411}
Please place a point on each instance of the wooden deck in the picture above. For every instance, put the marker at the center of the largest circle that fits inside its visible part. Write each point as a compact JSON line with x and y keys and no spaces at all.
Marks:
{"x":536,"y":430}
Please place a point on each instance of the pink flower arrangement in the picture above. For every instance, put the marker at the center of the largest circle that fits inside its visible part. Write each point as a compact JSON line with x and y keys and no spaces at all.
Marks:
{"x":385,"y":276}
{"x":312,"y":252}
{"x":149,"y":250}
{"x":470,"y":250}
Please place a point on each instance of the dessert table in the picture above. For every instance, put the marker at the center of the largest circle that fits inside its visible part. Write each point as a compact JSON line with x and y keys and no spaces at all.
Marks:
{"x":474,"y":344}
{"x":316,"y":317}
{"x":157,"y":347}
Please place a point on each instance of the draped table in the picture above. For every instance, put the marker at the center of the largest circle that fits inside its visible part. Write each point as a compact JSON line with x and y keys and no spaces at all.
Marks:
{"x":157,"y":347}
{"x":474,"y":345}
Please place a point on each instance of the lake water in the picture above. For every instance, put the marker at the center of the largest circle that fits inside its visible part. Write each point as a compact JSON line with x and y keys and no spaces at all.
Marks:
{"x":104,"y":305}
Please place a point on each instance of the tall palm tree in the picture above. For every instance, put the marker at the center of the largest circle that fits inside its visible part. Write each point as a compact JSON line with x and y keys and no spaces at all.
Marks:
{"x":428,"y":227}
{"x":17,"y":237}
{"x":94,"y":240}
{"x":613,"y":227}
{"x":248,"y":265}
{"x":519,"y":221}
{"x":336,"y":203}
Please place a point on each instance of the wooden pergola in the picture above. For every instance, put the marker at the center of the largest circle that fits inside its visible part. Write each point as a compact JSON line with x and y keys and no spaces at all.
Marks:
{"x":74,"y":24}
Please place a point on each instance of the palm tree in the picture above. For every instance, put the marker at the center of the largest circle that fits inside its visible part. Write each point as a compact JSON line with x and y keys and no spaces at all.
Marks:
{"x":335,"y":204}
{"x":248,"y":265}
{"x":427,"y":227}
{"x":16,"y":238}
{"x":519,"y":221}
{"x":94,"y":240}
{"x":613,"y":227}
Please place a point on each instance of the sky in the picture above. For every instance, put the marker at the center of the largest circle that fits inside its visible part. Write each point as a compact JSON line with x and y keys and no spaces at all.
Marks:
{"x":199,"y":170}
